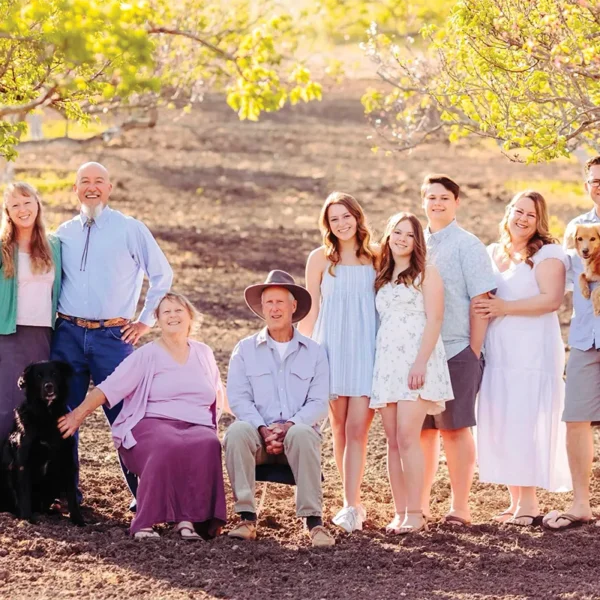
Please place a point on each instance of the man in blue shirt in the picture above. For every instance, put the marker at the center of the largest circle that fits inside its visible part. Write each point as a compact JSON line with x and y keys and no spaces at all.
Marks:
{"x":105,"y":255}
{"x":582,"y":393}
{"x":278,"y":389}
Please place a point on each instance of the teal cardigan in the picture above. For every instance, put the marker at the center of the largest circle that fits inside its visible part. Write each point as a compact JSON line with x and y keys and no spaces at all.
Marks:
{"x":8,"y":291}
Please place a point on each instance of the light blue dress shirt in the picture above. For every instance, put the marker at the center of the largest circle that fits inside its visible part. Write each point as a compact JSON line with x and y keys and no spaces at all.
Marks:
{"x":584,"y":332}
{"x":264,"y":389}
{"x":121,"y":250}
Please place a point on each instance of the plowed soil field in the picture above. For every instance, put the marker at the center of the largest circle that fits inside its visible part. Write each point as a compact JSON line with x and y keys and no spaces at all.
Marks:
{"x":228,"y":201}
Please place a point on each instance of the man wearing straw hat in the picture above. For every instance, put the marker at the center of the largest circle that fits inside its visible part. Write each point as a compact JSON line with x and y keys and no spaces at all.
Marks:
{"x":278,"y":388}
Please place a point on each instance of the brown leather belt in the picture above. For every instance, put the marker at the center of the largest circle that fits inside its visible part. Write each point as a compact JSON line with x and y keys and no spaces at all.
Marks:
{"x":87,"y":324}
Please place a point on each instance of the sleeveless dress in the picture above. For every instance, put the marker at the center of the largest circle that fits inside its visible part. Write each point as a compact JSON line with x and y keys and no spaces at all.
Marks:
{"x":520,"y":436}
{"x":346,"y":327}
{"x":401,"y":310}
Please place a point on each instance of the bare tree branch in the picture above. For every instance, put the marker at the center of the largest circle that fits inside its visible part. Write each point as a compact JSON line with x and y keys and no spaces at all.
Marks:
{"x":196,"y":38}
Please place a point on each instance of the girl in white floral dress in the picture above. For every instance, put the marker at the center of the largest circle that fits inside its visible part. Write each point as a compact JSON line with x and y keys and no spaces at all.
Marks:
{"x":411,"y":378}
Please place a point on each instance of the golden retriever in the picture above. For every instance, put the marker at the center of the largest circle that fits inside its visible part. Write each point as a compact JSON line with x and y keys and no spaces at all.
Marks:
{"x":587,"y":244}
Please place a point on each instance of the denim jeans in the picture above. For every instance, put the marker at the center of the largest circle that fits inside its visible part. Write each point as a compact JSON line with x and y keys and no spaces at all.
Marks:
{"x":95,"y":354}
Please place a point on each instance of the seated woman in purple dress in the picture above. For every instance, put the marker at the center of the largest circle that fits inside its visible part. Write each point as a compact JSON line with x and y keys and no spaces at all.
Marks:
{"x":166,"y":432}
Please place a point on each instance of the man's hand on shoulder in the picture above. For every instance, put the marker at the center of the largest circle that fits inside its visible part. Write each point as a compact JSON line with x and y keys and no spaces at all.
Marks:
{"x":132,"y":332}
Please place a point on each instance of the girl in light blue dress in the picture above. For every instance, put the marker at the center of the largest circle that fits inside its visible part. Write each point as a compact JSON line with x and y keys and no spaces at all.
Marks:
{"x":340,"y":275}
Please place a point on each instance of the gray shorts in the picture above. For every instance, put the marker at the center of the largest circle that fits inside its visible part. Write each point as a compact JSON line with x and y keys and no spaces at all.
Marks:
{"x":466,"y":371}
{"x":582,"y":394}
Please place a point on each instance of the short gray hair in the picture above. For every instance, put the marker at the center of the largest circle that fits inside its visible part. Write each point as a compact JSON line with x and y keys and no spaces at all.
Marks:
{"x":292,"y":297}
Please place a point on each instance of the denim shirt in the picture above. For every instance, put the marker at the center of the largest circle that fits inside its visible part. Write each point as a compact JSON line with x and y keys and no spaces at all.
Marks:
{"x":584,"y":333}
{"x":264,"y":389}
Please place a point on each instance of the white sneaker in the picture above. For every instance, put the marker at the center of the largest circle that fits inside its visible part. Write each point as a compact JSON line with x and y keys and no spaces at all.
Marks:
{"x":348,"y":519}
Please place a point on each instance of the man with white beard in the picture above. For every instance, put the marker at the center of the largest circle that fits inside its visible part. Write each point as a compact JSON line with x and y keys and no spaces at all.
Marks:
{"x":105,"y":256}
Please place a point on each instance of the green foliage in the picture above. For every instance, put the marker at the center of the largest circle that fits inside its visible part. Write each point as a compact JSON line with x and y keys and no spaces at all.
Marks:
{"x":83,"y":57}
{"x":53,"y":187}
{"x":65,"y":53}
{"x":526,"y":74}
{"x":348,"y":20}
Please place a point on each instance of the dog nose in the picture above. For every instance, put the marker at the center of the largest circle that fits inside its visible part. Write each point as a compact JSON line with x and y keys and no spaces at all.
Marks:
{"x":48,"y":387}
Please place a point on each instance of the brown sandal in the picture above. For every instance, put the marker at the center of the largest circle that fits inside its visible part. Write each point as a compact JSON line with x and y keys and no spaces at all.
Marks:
{"x":454,"y":520}
{"x":573,"y":521}
{"x":535,"y":521}
{"x":186,"y":530}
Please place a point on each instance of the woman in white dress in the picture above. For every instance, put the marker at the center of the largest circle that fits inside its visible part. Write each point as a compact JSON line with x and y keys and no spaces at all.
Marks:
{"x":411,"y":378}
{"x":520,"y":436}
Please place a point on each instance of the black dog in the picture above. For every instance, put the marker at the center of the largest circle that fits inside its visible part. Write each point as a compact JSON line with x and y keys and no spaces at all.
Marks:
{"x":36,"y":464}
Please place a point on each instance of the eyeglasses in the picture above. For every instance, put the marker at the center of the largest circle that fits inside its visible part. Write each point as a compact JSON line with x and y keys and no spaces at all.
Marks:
{"x":595,"y":183}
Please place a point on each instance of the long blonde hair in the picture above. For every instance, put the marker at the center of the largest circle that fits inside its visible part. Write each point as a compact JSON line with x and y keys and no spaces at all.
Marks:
{"x":415,"y":273}
{"x":363,"y":233}
{"x":40,"y":253}
{"x":542,"y":235}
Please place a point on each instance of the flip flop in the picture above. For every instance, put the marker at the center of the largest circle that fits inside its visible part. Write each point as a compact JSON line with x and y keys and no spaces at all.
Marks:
{"x":454,"y":520}
{"x":573,"y":522}
{"x":535,"y":521}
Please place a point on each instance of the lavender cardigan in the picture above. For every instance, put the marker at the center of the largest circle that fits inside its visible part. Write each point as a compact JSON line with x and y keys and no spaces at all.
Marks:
{"x":132,"y":379}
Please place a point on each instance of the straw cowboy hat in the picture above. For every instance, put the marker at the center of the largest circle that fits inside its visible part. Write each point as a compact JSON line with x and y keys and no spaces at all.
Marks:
{"x":276,"y":278}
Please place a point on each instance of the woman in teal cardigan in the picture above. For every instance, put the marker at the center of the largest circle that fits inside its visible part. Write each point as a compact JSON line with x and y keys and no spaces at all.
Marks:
{"x":30,"y":274}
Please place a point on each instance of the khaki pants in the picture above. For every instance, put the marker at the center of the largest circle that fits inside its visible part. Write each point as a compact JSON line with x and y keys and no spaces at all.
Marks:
{"x":244,"y":449}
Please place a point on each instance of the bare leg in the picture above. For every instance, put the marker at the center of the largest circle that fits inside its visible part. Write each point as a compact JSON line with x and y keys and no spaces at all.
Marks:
{"x":410,"y":417}
{"x":460,"y":453}
{"x":338,"y":410}
{"x":358,"y":421}
{"x":515,"y":492}
{"x":430,"y":444}
{"x":527,"y":506}
{"x":394,"y":464}
{"x":580,"y":449}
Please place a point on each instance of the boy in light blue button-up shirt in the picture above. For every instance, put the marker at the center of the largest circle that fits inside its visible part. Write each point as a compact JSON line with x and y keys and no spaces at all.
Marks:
{"x":467,"y":272}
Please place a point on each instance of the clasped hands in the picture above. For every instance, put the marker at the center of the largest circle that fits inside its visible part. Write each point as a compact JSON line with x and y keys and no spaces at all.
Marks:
{"x":273,"y":436}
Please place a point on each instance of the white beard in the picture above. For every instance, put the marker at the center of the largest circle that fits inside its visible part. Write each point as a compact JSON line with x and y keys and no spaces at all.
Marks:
{"x":92,"y":213}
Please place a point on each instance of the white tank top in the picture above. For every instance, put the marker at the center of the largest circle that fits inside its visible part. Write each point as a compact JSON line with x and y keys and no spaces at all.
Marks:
{"x":34,"y":295}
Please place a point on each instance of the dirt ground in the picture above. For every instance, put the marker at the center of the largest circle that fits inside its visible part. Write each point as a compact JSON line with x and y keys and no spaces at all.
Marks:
{"x":229,"y":201}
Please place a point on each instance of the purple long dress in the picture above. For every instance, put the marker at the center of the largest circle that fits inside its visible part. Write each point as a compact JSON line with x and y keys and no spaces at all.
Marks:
{"x":173,"y":446}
